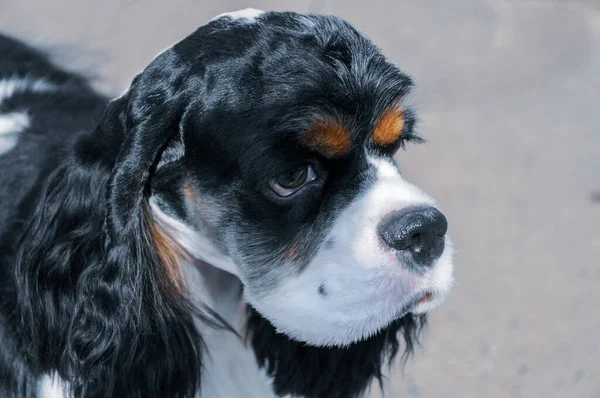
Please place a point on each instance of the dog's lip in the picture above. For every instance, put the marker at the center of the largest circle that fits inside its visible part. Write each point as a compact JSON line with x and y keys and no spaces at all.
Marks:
{"x":417,"y":299}
{"x":424,"y":298}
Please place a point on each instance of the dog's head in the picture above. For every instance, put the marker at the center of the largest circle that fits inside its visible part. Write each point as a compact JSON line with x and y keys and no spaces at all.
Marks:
{"x":269,"y":142}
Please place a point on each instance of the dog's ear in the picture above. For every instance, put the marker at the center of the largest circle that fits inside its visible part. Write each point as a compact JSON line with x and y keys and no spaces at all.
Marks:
{"x":132,"y":331}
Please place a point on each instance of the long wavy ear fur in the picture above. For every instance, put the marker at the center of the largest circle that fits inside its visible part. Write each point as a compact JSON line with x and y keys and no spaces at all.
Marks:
{"x":89,"y":248}
{"x":130,"y":324}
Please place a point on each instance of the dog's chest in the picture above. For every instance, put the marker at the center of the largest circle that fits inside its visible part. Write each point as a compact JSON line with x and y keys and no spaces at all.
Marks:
{"x":230,"y":369}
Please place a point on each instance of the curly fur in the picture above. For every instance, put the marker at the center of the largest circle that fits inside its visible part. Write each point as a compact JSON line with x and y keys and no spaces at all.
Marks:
{"x":89,"y":272}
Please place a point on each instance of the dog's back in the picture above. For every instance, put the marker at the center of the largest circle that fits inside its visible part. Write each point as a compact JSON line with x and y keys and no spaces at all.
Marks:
{"x":41,"y":108}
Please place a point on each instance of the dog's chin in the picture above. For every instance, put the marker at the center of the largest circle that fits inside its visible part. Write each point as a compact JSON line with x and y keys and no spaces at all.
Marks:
{"x":337,"y":334}
{"x":257,"y":323}
{"x":416,"y":307}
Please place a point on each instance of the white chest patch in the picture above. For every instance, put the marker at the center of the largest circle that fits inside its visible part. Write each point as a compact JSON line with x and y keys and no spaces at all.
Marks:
{"x":11,"y":125}
{"x":248,"y":15}
{"x":51,"y":386}
{"x":230,"y":368}
{"x":229,"y":365}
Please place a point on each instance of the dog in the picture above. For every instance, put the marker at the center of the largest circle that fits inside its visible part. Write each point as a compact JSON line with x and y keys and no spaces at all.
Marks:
{"x":233,"y":225}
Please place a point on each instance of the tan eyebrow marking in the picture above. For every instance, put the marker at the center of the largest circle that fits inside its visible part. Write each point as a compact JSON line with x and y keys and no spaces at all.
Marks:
{"x":329,"y":137}
{"x":389,"y":126}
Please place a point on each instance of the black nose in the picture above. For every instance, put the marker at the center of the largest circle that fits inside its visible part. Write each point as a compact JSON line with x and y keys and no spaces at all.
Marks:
{"x":415,"y":230}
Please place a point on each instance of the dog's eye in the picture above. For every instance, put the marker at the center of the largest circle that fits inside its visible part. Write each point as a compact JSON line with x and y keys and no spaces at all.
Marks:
{"x":291,"y":181}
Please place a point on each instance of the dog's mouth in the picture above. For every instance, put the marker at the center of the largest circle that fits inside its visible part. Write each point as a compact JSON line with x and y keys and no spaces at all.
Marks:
{"x":415,"y":302}
{"x":424,"y":298}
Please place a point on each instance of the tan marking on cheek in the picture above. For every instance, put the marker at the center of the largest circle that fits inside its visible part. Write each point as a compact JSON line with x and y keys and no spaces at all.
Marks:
{"x":329,"y":137}
{"x":389,"y":127}
{"x":291,"y":252}
{"x":188,"y":191}
{"x":170,"y":254}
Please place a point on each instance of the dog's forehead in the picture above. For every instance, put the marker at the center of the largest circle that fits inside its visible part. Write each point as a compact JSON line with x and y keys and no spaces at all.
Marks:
{"x":280,"y":54}
{"x":252,"y":73}
{"x":231,"y":35}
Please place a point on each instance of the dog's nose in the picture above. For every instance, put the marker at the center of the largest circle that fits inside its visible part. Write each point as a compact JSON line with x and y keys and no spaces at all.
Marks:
{"x":418,"y":230}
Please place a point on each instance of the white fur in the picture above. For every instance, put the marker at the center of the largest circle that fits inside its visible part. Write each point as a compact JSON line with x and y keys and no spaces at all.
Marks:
{"x":8,"y":87}
{"x":230,"y":368}
{"x":366,"y":286}
{"x":229,"y":365}
{"x":11,"y":125}
{"x":247,"y":15}
{"x":193,"y":242}
{"x":51,"y":386}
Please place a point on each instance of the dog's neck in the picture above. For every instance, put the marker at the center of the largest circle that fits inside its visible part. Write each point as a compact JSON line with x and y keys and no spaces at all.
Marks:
{"x":209,"y":276}
{"x":216,"y":289}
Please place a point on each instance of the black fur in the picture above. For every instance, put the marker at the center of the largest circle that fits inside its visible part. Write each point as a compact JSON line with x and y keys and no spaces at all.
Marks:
{"x":83,"y":290}
{"x":320,"y":372}
{"x":89,"y":289}
{"x":54,"y":118}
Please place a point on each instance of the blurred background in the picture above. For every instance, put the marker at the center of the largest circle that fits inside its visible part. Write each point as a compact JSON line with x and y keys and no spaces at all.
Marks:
{"x":508,"y":94}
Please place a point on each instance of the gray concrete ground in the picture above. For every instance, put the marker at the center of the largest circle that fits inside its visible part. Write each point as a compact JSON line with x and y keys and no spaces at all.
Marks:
{"x":508,"y":93}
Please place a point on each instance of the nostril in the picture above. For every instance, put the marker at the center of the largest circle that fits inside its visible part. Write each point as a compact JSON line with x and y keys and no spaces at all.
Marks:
{"x":416,"y":241}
